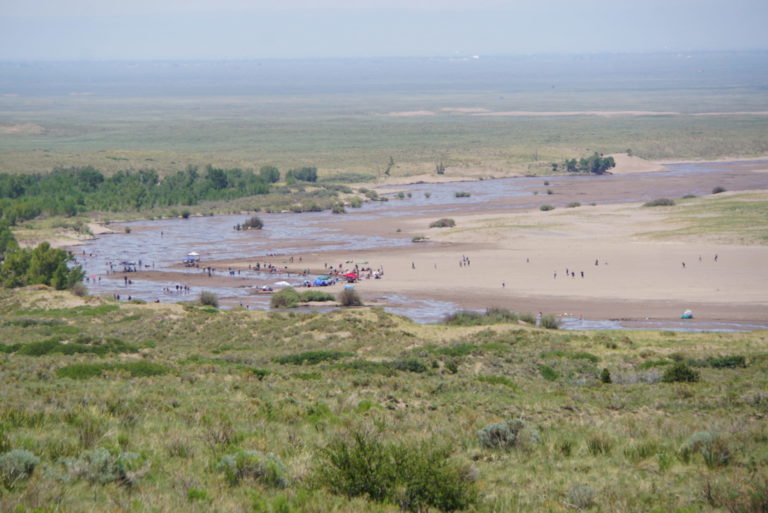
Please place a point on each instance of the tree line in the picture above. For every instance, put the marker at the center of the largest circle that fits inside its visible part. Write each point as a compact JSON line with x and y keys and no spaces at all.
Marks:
{"x":595,"y":163}
{"x":75,"y":190}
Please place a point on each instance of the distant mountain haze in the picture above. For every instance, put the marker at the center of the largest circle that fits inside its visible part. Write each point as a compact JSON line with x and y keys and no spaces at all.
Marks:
{"x":45,"y":30}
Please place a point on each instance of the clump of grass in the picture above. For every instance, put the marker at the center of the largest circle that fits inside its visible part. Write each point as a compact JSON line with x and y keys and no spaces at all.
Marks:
{"x":419,"y":238}
{"x":546,"y":208}
{"x":660,"y":202}
{"x":253,"y":465}
{"x":462,"y":194}
{"x":311,"y":357}
{"x":598,"y":444}
{"x":580,"y":496}
{"x":573,"y":204}
{"x":508,"y":434}
{"x":712,"y":447}
{"x":548,"y":373}
{"x":718,"y":190}
{"x":349,"y":297}
{"x":445,"y":222}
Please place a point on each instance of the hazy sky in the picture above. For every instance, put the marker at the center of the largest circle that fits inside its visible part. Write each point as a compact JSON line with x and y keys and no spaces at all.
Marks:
{"x":241,"y":29}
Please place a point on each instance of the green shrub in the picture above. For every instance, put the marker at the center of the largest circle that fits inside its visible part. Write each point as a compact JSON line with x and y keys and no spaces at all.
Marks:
{"x":654,"y":363}
{"x":462,"y":194}
{"x":507,"y":434}
{"x":312,"y":357}
{"x":79,"y":345}
{"x":550,"y":322}
{"x":443,"y":223}
{"x":197,"y":494}
{"x":253,"y":465}
{"x":410,"y":365}
{"x":546,"y":208}
{"x":286,"y":298}
{"x":491,"y":316}
{"x":338,"y":208}
{"x":605,"y":377}
{"x":680,"y":373}
{"x":208,"y":298}
{"x":349,"y":297}
{"x":548,"y":373}
{"x":721,"y":362}
{"x":316,"y":295}
{"x":660,"y":202}
{"x":414,"y":477}
{"x":102,"y":467}
{"x":419,"y":238}
{"x":583,"y":355}
{"x":93,"y":370}
{"x":573,"y":204}
{"x":16,"y":466}
{"x":718,"y":190}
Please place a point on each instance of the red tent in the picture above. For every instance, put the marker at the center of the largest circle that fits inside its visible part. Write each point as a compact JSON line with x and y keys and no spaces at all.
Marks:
{"x":351,"y":277}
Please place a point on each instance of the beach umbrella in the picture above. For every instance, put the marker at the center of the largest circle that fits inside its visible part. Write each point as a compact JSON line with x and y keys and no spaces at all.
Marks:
{"x":324,"y":277}
{"x":351,"y":276}
{"x":193,"y":254}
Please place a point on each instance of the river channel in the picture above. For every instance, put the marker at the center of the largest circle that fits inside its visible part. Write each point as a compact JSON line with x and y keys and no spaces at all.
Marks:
{"x":160,"y":245}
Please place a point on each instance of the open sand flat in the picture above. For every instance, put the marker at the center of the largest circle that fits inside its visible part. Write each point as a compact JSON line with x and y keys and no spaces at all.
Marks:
{"x":519,"y":261}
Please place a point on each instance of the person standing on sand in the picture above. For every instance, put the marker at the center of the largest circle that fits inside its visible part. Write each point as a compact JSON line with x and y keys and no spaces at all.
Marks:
{"x":413,"y":265}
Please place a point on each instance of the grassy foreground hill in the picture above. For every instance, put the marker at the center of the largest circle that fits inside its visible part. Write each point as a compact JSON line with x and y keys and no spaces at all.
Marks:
{"x":157,"y":407}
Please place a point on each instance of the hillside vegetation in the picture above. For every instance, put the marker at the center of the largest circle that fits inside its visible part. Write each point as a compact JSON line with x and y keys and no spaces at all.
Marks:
{"x":132,"y":407}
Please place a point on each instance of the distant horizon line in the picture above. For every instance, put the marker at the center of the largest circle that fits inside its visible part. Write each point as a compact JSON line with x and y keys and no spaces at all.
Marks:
{"x":383,"y":57}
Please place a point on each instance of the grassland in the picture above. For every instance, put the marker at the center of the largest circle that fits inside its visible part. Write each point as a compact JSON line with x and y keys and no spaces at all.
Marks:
{"x":351,"y":117}
{"x":191,"y":386}
{"x":739,"y":218}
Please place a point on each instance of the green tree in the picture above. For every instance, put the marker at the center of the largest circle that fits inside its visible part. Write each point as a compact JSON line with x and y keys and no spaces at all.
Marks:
{"x":7,"y":240}
{"x":269,"y":174}
{"x":43,"y":265}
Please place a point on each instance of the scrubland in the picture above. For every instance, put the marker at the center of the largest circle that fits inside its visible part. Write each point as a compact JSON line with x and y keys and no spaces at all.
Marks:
{"x":145,"y":407}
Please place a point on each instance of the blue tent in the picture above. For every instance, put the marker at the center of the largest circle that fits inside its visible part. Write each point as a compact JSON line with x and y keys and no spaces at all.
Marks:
{"x":320,"y":283}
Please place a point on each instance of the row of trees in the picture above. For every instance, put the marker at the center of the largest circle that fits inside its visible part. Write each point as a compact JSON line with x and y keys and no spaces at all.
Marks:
{"x":69,"y":191}
{"x":595,"y":163}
